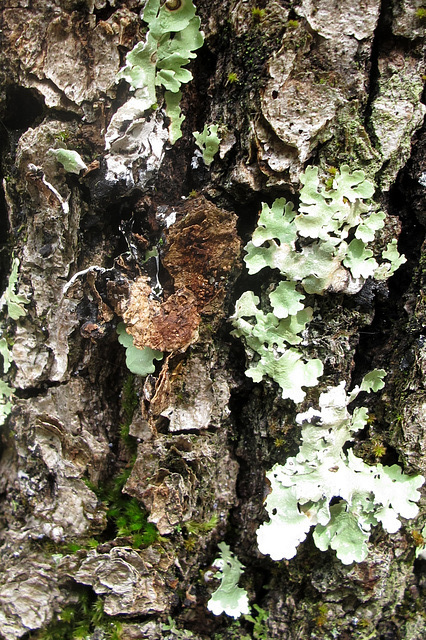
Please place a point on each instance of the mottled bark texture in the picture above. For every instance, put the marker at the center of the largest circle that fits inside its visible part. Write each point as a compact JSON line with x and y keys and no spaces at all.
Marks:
{"x":292,"y":83}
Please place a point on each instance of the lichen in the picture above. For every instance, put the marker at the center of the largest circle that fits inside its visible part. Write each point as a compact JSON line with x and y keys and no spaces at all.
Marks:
{"x":69,"y":159}
{"x":173,"y":36}
{"x":309,"y":248}
{"x":139,"y":361}
{"x":228,"y":598}
{"x":14,"y":304}
{"x":208,"y":141}
{"x":305,"y":489}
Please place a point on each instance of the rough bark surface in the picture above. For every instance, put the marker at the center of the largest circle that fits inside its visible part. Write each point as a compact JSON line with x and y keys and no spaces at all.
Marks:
{"x":186,"y":448}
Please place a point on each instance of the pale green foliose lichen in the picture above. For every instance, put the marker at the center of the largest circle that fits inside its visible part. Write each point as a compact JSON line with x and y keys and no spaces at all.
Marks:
{"x":6,"y":393}
{"x":13,"y":301}
{"x":14,"y":309}
{"x":228,"y":598}
{"x":208,"y":141}
{"x":138,"y":361}
{"x":69,"y":159}
{"x":322,"y":247}
{"x":273,"y":336}
{"x":174,"y":114}
{"x":173,"y":36}
{"x":321,"y":228}
{"x":6,"y":355}
{"x":323,"y":471}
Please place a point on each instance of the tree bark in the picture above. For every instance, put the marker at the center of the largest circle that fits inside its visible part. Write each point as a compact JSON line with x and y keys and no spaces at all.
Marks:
{"x":93,"y":456}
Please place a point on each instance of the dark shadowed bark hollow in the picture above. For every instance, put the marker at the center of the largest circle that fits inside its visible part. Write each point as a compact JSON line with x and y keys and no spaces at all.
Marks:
{"x":116,"y":489}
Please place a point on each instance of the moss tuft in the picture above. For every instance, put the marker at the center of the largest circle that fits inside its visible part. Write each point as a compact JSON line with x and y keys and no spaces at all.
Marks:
{"x":80,"y":620}
{"x":257,"y":14}
{"x":292,"y":24}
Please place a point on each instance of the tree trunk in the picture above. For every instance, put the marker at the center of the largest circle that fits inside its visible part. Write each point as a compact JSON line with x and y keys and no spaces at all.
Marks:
{"x":116,"y":488}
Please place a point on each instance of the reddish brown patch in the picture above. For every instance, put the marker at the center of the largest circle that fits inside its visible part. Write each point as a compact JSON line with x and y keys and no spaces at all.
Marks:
{"x":202,"y":249}
{"x":93,"y":166}
{"x":166,"y":326}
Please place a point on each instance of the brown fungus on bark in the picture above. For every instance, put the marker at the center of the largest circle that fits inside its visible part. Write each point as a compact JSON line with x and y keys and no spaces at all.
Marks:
{"x":166,"y":326}
{"x":202,"y":249}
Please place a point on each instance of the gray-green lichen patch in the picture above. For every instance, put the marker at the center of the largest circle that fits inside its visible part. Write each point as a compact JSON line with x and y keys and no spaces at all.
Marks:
{"x":311,"y":79}
{"x":69,"y":159}
{"x":48,"y":504}
{"x":300,"y":113}
{"x":273,"y":19}
{"x":31,"y":592}
{"x":53,"y":428}
{"x":358,"y":19}
{"x":407,"y":19}
{"x":376,"y":586}
{"x":410,"y":435}
{"x":317,"y":89}
{"x":350,"y":142}
{"x":397,"y":111}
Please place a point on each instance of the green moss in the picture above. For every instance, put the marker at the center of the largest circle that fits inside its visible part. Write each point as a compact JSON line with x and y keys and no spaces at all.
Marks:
{"x":72,"y":547}
{"x":378,"y":448}
{"x":257,"y":14}
{"x":292,"y":24}
{"x":232,"y":78}
{"x":63,"y":136}
{"x":418,"y":538}
{"x":125,"y":514}
{"x":321,"y":618}
{"x":260,"y":623}
{"x":92,"y":543}
{"x":130,"y":521}
{"x":191,"y":543}
{"x":91,"y":485}
{"x":50,"y":548}
{"x":329,"y":183}
{"x":80,"y":620}
{"x":248,"y":53}
{"x":421,"y":13}
{"x":129,"y":398}
{"x":199,"y":528}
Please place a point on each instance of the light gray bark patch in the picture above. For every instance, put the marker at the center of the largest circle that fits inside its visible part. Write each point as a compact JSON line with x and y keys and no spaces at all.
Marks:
{"x":182,"y":478}
{"x":133,"y":582}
